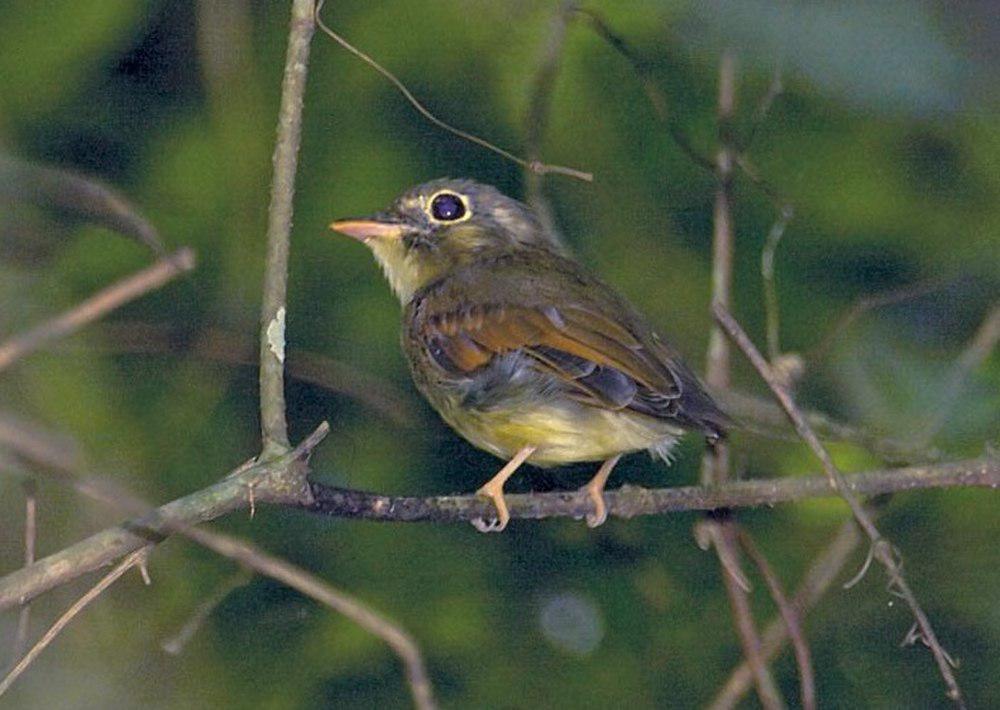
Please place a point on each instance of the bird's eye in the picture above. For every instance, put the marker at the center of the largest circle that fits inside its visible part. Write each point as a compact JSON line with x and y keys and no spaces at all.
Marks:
{"x":447,"y":207}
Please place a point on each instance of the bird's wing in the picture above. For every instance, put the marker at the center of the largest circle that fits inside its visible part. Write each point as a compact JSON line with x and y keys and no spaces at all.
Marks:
{"x":602,"y":363}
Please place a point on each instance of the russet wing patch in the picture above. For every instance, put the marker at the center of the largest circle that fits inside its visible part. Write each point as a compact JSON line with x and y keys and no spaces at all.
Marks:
{"x":602,"y":363}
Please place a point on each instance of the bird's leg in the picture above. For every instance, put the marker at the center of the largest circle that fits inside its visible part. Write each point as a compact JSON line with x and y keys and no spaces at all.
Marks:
{"x":493,"y":489}
{"x":595,"y":491}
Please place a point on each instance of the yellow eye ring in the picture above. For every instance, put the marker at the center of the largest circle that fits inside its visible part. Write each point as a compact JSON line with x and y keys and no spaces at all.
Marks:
{"x":448,"y":207}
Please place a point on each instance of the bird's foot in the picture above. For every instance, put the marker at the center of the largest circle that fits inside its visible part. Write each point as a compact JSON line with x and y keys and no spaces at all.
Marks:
{"x":600,"y":512}
{"x":495,"y":494}
{"x":595,"y":491}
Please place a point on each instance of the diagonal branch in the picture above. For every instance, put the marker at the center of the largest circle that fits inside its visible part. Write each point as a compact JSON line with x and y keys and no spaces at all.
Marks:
{"x":128,"y":289}
{"x":137,"y":558}
{"x":882,"y":549}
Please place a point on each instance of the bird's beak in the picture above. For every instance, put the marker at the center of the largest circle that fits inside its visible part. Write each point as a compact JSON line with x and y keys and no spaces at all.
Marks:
{"x":366,"y":228}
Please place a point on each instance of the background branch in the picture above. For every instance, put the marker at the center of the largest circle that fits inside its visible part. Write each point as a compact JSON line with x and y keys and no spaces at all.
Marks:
{"x":129,"y":288}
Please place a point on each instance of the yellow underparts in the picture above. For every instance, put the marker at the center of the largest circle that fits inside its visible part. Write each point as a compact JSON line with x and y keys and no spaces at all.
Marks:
{"x":562,"y":434}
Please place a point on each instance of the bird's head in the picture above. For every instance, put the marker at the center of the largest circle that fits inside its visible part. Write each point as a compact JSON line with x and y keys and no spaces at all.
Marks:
{"x":440,"y":225}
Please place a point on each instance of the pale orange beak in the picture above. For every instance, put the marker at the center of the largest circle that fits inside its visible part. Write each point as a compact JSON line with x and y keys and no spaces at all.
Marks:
{"x":365,"y":229}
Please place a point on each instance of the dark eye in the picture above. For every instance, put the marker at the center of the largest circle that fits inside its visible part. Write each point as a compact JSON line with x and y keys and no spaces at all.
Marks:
{"x":447,"y":207}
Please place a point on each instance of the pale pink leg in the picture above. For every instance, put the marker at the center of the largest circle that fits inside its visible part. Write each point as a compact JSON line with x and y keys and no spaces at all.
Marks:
{"x":493,"y":489}
{"x":595,"y":491}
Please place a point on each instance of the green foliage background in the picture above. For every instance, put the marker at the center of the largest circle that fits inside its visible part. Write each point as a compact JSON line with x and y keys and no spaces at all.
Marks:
{"x":887,"y":142}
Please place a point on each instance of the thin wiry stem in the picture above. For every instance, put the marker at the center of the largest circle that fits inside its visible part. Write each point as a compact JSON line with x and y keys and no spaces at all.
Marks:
{"x":771,"y":307}
{"x":534,"y":166}
{"x":311,"y":586}
{"x":868,"y":303}
{"x":883,"y":550}
{"x":30,"y":537}
{"x":175,"y":644}
{"x":817,"y":580}
{"x":803,"y":657}
{"x":982,"y":344}
{"x":715,"y":468}
{"x":134,"y":559}
{"x":274,"y":428}
{"x":128,"y":289}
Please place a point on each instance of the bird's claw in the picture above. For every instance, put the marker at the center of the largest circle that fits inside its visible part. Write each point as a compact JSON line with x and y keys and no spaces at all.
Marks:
{"x":498,"y":523}
{"x":600,"y":512}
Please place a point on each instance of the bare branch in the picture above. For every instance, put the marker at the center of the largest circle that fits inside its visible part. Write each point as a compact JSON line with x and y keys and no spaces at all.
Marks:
{"x":77,"y":196}
{"x":883,"y":550}
{"x":134,"y":559}
{"x":128,"y":289}
{"x":818,"y":579}
{"x":771,"y":308}
{"x":975,"y":353}
{"x":739,"y":600}
{"x":175,"y":644}
{"x":274,"y":428}
{"x":868,"y":303}
{"x":310,"y":585}
{"x":30,"y":537}
{"x":803,"y":658}
{"x":281,"y":479}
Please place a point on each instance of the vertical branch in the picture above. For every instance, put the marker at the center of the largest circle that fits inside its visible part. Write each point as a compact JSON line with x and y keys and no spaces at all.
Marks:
{"x":715,"y":464}
{"x":30,"y":535}
{"x":274,"y":428}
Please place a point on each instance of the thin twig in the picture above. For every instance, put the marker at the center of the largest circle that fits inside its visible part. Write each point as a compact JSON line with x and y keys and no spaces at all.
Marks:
{"x":274,"y":480}
{"x":771,"y":308}
{"x":982,"y":344}
{"x":817,"y":580}
{"x":868,"y":303}
{"x":134,"y":559}
{"x":883,"y":549}
{"x":128,"y":289}
{"x":774,"y":90}
{"x":535,"y":166}
{"x":175,"y":644}
{"x":78,"y":196}
{"x":715,"y":467}
{"x":649,"y":86}
{"x":803,"y":658}
{"x":156,"y":525}
{"x":274,"y":428}
{"x":355,"y":610}
{"x":30,"y":536}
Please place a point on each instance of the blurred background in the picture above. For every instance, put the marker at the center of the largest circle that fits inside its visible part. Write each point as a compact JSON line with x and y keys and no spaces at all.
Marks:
{"x":887,"y":143}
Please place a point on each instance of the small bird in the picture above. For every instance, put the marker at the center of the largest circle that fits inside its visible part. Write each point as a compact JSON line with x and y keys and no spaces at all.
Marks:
{"x":521,"y":350}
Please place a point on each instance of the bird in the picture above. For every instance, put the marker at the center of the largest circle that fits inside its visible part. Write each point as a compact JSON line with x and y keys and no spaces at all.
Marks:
{"x":519,"y":348}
